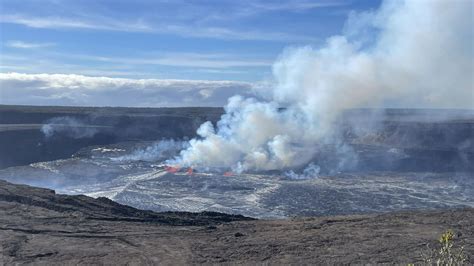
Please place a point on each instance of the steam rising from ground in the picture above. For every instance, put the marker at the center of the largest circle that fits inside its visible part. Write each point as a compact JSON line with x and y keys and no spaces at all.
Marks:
{"x":157,"y":151}
{"x":312,"y":171}
{"x":70,"y":126}
{"x":406,"y":54}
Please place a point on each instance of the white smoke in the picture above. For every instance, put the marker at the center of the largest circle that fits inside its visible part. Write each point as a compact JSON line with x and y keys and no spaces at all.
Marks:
{"x":157,"y":151}
{"x":406,"y":54}
{"x":311,"y":171}
{"x":69,"y":126}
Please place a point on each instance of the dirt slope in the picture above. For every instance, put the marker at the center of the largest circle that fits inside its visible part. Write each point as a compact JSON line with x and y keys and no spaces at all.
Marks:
{"x":38,"y":226}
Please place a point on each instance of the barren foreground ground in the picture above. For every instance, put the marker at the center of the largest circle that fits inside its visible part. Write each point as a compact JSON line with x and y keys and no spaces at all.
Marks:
{"x":38,"y":226}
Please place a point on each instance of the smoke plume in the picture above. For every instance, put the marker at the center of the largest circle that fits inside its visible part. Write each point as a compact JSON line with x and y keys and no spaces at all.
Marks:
{"x":155,"y":152}
{"x":69,"y":126}
{"x":312,"y":171}
{"x":405,"y":54}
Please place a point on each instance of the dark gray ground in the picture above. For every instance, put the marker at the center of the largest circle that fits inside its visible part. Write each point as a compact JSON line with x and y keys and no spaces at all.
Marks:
{"x":40,"y":227}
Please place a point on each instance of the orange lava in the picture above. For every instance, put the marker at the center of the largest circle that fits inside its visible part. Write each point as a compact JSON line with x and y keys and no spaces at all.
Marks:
{"x":190,"y":171}
{"x":171,"y":169}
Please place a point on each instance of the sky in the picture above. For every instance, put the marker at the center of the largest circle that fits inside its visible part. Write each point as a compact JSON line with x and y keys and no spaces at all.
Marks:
{"x":154,"y":53}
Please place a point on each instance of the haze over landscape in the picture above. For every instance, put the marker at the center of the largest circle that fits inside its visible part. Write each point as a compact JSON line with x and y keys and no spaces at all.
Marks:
{"x":208,"y":115}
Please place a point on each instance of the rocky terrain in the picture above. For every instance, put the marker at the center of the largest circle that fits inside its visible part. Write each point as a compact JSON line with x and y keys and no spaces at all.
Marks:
{"x":40,"y":227}
{"x":392,"y":183}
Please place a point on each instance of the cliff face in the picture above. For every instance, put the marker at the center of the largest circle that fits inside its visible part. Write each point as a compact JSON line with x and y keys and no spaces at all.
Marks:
{"x":39,"y":226}
{"x":22,"y":141}
{"x":87,"y":208}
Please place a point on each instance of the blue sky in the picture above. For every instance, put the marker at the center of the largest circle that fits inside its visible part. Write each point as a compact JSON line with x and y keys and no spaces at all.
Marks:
{"x":197,"y":40}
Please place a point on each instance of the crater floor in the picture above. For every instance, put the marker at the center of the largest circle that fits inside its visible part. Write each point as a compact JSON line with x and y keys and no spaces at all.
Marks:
{"x":113,"y":172}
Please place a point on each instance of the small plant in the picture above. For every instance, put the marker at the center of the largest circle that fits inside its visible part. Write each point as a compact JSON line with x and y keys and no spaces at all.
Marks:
{"x":446,"y":253}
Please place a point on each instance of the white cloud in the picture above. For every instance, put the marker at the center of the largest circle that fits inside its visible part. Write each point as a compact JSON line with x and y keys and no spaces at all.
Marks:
{"x":213,"y":66}
{"x":70,"y":89}
{"x":295,"y":5}
{"x":77,"y":23}
{"x":147,"y":64}
{"x":233,"y":34}
{"x":28,"y":45}
{"x":179,"y":29}
{"x":194,"y":60}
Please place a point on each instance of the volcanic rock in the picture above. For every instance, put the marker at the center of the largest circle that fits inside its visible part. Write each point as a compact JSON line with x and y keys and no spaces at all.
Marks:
{"x":38,"y":226}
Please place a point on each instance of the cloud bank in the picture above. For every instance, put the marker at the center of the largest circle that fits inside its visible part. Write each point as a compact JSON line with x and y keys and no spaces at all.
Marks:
{"x":406,"y":54}
{"x":79,"y":90}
